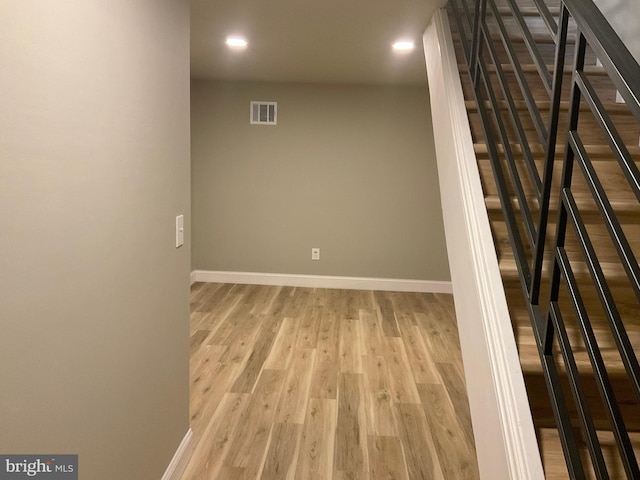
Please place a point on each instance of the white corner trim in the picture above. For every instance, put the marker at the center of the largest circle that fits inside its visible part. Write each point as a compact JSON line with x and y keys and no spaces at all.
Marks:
{"x":193,"y":277}
{"x":323,"y":281}
{"x":180,"y":459}
{"x":502,"y":423}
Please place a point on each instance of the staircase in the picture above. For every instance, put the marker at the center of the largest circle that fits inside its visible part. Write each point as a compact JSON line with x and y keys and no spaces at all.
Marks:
{"x":552,"y":97}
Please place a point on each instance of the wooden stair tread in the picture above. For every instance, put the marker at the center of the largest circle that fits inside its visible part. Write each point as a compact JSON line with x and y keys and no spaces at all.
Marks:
{"x":545,"y":105}
{"x":627,"y":211}
{"x":530,"y":362}
{"x":553,"y":459}
{"x":516,"y":37}
{"x":530,"y":11}
{"x":599,"y":322}
{"x":594,"y":151}
{"x":614,"y":272}
{"x":591,"y":70}
{"x":544,"y":419}
{"x":623,"y":391}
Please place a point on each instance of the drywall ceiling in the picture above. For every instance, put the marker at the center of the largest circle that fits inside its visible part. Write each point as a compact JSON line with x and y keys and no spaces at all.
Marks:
{"x":325,"y":41}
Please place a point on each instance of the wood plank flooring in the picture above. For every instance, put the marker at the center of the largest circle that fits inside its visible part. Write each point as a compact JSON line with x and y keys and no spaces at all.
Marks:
{"x":301,"y":383}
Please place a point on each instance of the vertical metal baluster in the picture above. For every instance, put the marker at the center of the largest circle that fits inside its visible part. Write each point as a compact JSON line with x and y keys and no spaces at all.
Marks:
{"x":567,"y":173}
{"x":569,"y":446}
{"x":561,"y":48}
{"x":476,"y":50}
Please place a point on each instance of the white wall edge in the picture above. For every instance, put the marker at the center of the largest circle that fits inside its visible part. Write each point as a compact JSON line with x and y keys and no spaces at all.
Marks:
{"x":323,"y":281}
{"x":193,"y":277}
{"x":180,"y":459}
{"x":504,"y":433}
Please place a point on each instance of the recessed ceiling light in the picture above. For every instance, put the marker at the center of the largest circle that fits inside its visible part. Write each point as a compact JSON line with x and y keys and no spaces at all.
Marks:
{"x":403,"y":46}
{"x":236,"y":42}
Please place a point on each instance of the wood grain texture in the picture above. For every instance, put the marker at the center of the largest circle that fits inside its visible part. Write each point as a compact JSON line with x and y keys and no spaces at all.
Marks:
{"x":206,"y":461}
{"x":210,"y":380}
{"x":372,"y":335}
{"x":447,"y":432}
{"x":280,"y":461}
{"x":403,"y":386}
{"x":315,"y":457}
{"x":325,"y":376}
{"x":295,"y":394}
{"x":420,"y":454}
{"x":350,"y":447}
{"x":255,"y":423}
{"x":386,"y":460}
{"x":379,"y":402}
{"x":295,"y":383}
{"x":350,"y":355}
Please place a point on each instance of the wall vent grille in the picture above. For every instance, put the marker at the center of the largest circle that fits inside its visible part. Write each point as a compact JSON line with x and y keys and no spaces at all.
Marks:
{"x":264,"y":113}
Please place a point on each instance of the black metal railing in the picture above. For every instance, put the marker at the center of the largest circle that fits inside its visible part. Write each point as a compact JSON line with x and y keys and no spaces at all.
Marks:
{"x":520,"y":65}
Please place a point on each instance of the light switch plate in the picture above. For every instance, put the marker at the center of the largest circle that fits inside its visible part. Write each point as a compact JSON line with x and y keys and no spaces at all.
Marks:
{"x":179,"y":231}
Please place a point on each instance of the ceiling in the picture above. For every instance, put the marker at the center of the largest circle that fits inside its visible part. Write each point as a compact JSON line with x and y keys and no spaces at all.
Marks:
{"x":321,"y":41}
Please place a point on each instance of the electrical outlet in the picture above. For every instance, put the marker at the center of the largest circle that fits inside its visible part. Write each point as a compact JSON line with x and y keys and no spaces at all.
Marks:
{"x":315,"y":254}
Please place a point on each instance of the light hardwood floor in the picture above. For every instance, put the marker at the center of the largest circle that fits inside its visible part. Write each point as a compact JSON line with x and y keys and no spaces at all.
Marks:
{"x":326,"y":384}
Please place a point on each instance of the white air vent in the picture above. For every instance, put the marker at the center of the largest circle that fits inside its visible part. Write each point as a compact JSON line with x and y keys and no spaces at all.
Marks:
{"x":264,"y":113}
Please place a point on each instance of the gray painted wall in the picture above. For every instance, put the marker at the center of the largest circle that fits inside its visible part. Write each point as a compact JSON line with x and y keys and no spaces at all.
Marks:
{"x":94,"y":167}
{"x":623,"y":16}
{"x":349,"y":169}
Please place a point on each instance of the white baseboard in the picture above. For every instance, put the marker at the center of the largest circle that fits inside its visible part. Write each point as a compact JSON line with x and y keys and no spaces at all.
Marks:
{"x":180,"y":459}
{"x":323,"y":281}
{"x":193,"y":277}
